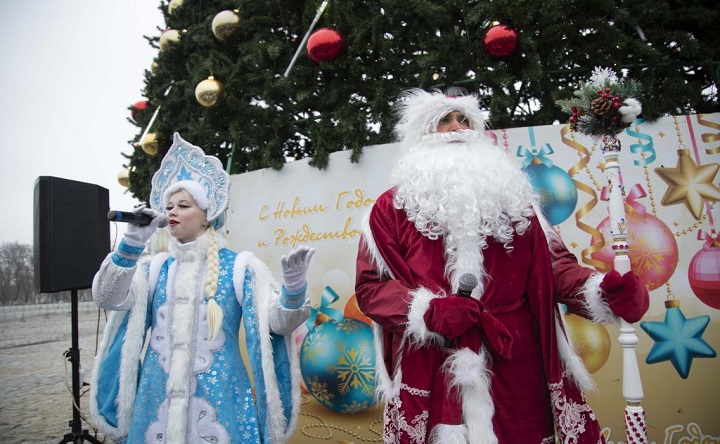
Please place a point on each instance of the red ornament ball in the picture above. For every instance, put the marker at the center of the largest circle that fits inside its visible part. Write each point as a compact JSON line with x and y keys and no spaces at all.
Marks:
{"x":138,"y":106}
{"x":704,"y":275}
{"x":325,"y":45}
{"x":500,"y":40}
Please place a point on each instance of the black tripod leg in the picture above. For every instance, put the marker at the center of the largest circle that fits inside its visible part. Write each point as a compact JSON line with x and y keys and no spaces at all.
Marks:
{"x":89,"y":438}
{"x":78,"y":435}
{"x":79,"y":439}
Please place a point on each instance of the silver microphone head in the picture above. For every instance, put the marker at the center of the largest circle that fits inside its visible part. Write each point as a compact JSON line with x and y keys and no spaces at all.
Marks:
{"x":163,"y":221}
{"x":468,"y":282}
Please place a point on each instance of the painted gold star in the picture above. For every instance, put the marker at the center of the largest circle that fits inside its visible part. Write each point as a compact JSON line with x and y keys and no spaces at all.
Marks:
{"x":574,"y":244}
{"x":661,"y":133}
{"x":689,"y":183}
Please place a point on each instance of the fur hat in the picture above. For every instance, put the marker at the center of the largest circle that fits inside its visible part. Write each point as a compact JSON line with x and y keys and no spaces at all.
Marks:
{"x":420,"y":112}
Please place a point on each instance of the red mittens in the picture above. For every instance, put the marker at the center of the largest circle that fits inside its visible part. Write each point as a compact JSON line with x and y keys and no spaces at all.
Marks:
{"x":626,"y":295}
{"x":452,"y":316}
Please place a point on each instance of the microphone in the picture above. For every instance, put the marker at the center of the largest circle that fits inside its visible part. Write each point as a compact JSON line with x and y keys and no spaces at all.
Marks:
{"x":467,"y":284}
{"x":141,"y":219}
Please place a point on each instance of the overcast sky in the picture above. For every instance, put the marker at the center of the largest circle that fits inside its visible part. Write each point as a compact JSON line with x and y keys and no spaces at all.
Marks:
{"x":69,"y":71}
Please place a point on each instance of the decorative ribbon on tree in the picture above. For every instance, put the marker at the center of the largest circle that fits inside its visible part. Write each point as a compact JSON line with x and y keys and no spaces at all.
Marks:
{"x":319,"y":12}
{"x":148,"y":140}
{"x":603,"y":107}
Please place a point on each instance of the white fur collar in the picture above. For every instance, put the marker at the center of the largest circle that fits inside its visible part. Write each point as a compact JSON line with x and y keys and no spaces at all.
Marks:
{"x":189,"y":251}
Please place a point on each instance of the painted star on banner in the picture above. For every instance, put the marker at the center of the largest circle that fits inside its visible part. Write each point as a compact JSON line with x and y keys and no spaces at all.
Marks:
{"x":678,"y":340}
{"x":689,"y":183}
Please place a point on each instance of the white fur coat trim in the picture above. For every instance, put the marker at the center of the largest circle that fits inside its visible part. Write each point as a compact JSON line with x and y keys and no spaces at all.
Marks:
{"x":572,"y":363}
{"x":470,"y":373}
{"x":386,"y":388}
{"x":186,"y":274}
{"x":132,"y":347}
{"x":372,"y":249}
{"x":449,"y":434}
{"x":264,"y":290}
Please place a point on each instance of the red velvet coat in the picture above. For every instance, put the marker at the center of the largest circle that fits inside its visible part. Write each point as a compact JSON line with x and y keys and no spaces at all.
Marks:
{"x":532,"y":394}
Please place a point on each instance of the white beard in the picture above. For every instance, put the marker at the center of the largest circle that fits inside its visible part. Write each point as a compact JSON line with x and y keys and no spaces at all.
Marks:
{"x":465,"y":192}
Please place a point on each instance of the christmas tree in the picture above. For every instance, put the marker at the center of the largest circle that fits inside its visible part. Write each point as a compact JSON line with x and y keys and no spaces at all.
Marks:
{"x":223,"y":75}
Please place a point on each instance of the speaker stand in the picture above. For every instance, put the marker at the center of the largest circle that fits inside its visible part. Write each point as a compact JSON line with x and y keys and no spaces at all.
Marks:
{"x":77,"y":435}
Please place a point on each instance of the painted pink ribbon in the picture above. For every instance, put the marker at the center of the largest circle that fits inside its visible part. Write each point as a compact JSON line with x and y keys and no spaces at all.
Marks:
{"x":635,"y":192}
{"x":712,"y":239}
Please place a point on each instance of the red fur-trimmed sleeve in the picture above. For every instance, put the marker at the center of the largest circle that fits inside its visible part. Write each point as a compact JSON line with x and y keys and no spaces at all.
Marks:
{"x":383,"y":281}
{"x":578,"y":286}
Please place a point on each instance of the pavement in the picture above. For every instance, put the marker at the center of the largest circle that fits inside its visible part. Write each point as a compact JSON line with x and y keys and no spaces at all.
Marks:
{"x":36,"y":402}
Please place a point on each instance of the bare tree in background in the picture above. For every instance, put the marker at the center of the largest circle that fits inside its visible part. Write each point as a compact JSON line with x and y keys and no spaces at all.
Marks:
{"x":16,"y":274}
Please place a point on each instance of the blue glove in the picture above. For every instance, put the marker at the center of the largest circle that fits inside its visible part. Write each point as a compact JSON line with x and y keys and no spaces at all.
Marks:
{"x":137,"y":235}
{"x":294,"y":268}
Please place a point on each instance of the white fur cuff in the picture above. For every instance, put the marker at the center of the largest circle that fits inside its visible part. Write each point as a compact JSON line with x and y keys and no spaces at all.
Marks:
{"x":417,"y":332}
{"x":595,"y":303}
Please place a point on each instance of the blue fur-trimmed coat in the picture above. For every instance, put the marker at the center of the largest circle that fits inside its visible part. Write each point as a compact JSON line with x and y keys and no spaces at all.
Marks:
{"x":186,"y":388}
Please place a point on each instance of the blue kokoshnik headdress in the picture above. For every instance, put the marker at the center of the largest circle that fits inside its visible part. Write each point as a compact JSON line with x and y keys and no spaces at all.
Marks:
{"x":186,"y":167}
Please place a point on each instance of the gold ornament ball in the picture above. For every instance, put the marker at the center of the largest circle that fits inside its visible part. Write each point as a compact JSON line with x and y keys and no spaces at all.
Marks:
{"x":591,"y":341}
{"x":123,"y":178}
{"x":169,"y":38}
{"x":154,"y":67}
{"x":174,"y":4}
{"x":150,"y":144}
{"x":209,"y":92}
{"x":225,"y":24}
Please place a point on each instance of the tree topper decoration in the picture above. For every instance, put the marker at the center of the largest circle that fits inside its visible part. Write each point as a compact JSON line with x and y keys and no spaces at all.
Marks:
{"x":603,"y":106}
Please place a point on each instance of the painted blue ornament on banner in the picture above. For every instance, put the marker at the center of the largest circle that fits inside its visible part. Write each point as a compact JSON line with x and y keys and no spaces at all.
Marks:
{"x":337,"y":362}
{"x":555,"y":187}
{"x":678,"y":339}
{"x":327,"y":298}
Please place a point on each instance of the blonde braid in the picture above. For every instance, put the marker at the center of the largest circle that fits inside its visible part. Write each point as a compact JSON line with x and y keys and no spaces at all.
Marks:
{"x":214,"y":312}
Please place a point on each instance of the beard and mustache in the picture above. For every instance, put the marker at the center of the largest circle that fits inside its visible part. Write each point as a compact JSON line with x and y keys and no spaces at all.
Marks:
{"x":459,"y":187}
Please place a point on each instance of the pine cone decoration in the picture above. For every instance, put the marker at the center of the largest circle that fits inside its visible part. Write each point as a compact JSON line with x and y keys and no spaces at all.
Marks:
{"x":601,"y":106}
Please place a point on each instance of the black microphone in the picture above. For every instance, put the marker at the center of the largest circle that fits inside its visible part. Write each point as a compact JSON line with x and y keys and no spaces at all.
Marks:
{"x":141,"y":219}
{"x":467,"y":284}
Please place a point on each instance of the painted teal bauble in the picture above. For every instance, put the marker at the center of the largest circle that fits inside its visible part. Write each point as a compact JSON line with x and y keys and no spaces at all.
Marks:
{"x":337,"y":362}
{"x":557,"y":191}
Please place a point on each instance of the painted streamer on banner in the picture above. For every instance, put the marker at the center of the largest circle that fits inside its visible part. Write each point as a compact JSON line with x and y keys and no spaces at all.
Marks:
{"x":584,"y":155}
{"x":646,"y":151}
{"x":710,"y":137}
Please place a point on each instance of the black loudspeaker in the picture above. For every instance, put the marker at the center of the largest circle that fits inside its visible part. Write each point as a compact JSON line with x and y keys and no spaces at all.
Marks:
{"x":71,"y":233}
